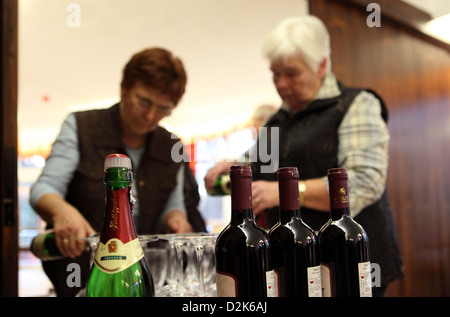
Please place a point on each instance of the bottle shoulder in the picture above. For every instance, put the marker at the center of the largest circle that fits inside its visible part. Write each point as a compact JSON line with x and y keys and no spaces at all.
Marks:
{"x":345,"y":227}
{"x":295,"y":230}
{"x":247,"y":232}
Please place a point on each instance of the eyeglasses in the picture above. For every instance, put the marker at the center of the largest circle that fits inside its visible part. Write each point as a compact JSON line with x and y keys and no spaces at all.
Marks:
{"x":146,"y":105}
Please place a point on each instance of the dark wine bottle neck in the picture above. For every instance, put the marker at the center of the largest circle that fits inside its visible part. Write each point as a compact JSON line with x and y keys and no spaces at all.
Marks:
{"x":288,"y":194}
{"x":287,"y":215}
{"x":239,"y":215}
{"x":241,"y":194}
{"x":338,"y":213}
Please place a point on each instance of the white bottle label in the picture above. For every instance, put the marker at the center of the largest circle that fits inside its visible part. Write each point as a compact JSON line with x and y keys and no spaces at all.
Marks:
{"x":226,"y":285}
{"x":314,"y":281}
{"x":272,"y":284}
{"x":365,"y":279}
{"x":326,"y":280}
{"x":115,"y":256}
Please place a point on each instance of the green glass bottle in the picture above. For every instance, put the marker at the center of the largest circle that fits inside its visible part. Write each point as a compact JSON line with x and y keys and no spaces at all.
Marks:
{"x":222,"y":186}
{"x":120,"y":268}
{"x":44,"y":247}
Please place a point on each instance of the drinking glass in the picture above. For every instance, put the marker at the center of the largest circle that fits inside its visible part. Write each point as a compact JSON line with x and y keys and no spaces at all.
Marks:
{"x":179,"y":247}
{"x":199,"y":242}
{"x":157,"y":256}
{"x":174,"y":276}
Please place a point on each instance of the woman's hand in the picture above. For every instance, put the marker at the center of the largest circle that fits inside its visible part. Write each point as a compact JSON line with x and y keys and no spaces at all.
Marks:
{"x":214,"y":172}
{"x":265,"y":195}
{"x":68,"y":224}
{"x":175,"y":221}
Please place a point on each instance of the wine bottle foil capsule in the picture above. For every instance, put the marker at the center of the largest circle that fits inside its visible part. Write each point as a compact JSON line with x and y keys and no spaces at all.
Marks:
{"x":337,"y":173}
{"x":338,"y":188}
{"x":288,"y":188}
{"x":241,"y":188}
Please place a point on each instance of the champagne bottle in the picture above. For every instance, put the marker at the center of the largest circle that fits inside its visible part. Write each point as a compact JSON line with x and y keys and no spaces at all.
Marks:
{"x":294,"y":248}
{"x":242,"y":248}
{"x":44,"y":246}
{"x":222,"y":186}
{"x":120,"y":268}
{"x":344,"y":245}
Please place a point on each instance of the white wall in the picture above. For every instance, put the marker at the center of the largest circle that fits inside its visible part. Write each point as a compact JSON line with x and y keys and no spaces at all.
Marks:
{"x":74,"y":67}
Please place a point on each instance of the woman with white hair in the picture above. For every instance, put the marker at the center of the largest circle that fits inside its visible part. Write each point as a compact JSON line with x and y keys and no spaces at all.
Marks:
{"x":323,"y":124}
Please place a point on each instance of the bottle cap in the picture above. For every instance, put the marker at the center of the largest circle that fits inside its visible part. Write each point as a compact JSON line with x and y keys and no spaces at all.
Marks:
{"x":240,"y":171}
{"x":337,"y":173}
{"x":288,"y":188}
{"x":117,"y":160}
{"x":287,"y":173}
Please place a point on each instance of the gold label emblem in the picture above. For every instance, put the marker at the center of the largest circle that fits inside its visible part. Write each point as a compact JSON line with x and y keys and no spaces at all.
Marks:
{"x":112,"y":247}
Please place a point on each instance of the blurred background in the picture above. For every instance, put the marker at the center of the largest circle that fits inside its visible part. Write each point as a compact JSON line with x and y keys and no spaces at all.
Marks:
{"x":71,"y":54}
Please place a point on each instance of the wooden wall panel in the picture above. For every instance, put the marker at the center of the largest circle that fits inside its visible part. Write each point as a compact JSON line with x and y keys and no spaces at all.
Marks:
{"x":412,"y":73}
{"x":8,"y":150}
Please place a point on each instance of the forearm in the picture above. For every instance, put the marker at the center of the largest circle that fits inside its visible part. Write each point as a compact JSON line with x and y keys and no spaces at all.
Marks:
{"x":316,"y":195}
{"x":176,"y":221}
{"x":68,"y":223}
{"x":56,"y":211}
{"x":59,"y":167}
{"x":51,"y":206}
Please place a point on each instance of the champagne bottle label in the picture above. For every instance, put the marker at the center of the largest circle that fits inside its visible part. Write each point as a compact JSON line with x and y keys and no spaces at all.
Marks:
{"x":226,"y":285}
{"x":115,"y":256}
{"x":314,"y":281}
{"x":365,"y":279}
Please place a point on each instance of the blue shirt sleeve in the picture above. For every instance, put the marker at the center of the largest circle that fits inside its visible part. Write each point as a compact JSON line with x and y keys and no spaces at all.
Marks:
{"x":60,"y":165}
{"x":176,"y":198}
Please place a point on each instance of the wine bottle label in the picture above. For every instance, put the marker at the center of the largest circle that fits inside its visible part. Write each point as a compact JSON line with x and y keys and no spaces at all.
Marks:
{"x":365,"y":279}
{"x":314,"y":281}
{"x":115,"y":256}
{"x":226,"y":285}
{"x":339,"y":194}
{"x":272,"y":284}
{"x":326,"y":278}
{"x":276,"y":281}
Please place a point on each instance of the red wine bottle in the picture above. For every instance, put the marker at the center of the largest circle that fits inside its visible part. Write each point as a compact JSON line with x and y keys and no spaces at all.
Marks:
{"x":294,"y":248}
{"x":344,"y":245}
{"x":242,"y":248}
{"x":120,"y":268}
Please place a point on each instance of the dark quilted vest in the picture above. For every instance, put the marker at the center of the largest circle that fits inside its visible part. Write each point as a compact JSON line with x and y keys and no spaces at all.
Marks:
{"x":155,"y":178}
